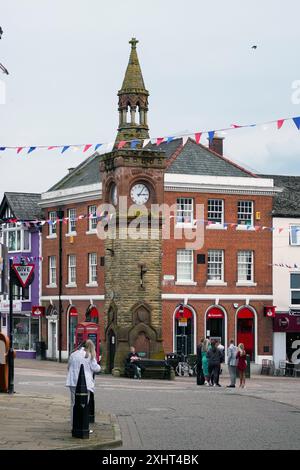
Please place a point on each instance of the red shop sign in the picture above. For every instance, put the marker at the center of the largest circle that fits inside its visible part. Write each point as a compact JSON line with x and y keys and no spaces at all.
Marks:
{"x":215,"y":312}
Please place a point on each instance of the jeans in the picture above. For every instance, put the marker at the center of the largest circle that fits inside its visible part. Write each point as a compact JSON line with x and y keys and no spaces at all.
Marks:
{"x":214,"y":370}
{"x":232,"y":373}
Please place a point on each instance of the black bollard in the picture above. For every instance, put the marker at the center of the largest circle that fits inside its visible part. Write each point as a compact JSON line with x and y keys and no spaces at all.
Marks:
{"x":92,"y":408}
{"x":81,"y":408}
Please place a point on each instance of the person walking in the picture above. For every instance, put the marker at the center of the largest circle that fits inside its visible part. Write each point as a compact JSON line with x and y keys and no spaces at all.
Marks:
{"x":222,"y":350}
{"x":205,"y":348}
{"x":241,"y":364}
{"x":231,"y":359}
{"x":214,"y":356}
{"x":86,"y":355}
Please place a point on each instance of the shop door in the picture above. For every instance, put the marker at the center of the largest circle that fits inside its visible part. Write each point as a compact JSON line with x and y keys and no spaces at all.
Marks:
{"x":53,"y":340}
{"x":293,"y":347}
{"x":184,"y":337}
{"x":245,"y":335}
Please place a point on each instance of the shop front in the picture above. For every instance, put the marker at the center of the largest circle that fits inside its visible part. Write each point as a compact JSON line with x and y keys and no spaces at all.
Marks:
{"x":215,"y":324}
{"x":286,"y":328}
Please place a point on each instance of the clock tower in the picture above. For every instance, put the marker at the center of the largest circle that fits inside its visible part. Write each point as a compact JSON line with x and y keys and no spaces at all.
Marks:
{"x":133,"y":184}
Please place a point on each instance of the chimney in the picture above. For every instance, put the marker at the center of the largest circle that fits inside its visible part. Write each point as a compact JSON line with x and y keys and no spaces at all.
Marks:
{"x":216,"y":144}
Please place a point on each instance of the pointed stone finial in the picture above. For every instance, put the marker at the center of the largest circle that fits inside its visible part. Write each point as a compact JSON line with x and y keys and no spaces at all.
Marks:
{"x":133,"y":43}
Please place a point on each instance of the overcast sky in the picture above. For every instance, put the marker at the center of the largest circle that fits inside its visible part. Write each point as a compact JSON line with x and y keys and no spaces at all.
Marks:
{"x":67,"y":60}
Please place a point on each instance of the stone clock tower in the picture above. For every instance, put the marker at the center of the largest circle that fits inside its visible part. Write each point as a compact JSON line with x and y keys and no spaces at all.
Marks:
{"x":132,"y":181}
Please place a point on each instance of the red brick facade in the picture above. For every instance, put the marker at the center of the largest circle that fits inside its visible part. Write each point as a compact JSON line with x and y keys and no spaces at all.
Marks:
{"x":230,"y":240}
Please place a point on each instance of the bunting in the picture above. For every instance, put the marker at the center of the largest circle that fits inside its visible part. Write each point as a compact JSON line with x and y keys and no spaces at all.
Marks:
{"x":196,"y":135}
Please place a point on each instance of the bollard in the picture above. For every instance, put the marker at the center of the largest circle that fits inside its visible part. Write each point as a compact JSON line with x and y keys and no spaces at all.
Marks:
{"x":81,"y":408}
{"x":91,"y":408}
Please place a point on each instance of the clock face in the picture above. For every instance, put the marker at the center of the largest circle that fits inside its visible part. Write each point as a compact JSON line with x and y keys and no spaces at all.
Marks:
{"x":114,"y":194}
{"x":139,"y":193}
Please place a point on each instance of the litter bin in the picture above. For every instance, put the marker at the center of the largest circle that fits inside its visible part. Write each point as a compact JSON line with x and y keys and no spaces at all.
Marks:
{"x":40,"y":348}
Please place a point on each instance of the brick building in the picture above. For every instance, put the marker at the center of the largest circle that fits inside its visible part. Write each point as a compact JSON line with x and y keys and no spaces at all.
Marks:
{"x":224,"y":282}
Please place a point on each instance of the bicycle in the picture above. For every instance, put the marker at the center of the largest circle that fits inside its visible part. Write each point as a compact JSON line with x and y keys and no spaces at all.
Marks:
{"x":184,"y":368}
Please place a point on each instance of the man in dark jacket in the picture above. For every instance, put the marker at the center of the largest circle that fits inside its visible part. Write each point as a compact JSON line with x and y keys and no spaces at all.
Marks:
{"x":200,"y":375}
{"x":214,"y":356}
{"x":132,"y":362}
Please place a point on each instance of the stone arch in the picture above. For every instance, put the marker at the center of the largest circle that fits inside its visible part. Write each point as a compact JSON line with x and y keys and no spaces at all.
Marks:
{"x":141,"y":313}
{"x":144,"y":337}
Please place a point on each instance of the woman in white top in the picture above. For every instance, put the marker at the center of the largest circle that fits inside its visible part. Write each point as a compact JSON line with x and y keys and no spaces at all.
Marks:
{"x":85,"y":355}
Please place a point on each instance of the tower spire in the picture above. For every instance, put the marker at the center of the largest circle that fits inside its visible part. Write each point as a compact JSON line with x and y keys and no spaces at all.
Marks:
{"x":133,"y":101}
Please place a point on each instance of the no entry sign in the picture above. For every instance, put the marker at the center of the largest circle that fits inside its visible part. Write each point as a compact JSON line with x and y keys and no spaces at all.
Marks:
{"x":24,"y":273}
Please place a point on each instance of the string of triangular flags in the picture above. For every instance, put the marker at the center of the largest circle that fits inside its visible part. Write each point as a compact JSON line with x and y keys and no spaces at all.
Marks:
{"x":105,"y":216}
{"x":197,"y":135}
{"x":30,"y":259}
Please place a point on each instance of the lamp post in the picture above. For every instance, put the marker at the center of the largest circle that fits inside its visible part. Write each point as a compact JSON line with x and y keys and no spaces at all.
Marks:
{"x":11,"y":350}
{"x":60,"y":215}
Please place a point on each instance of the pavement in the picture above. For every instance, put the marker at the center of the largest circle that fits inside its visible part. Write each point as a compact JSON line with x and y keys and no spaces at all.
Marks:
{"x":152,"y":414}
{"x":35,"y":421}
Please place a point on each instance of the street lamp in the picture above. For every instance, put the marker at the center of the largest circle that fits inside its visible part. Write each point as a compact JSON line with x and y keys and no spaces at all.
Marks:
{"x":60,"y":215}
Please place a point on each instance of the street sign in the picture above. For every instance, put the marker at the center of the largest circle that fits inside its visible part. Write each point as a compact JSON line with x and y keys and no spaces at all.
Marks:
{"x":24,"y":273}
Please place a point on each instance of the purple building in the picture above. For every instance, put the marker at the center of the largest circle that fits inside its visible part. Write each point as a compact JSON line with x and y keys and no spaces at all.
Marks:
{"x":23,"y":240}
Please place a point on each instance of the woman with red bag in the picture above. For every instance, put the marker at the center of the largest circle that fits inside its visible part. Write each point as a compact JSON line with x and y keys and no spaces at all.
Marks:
{"x":241,"y":364}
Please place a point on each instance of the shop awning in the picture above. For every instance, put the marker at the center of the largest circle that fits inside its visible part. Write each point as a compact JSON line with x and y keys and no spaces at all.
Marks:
{"x":215,"y":312}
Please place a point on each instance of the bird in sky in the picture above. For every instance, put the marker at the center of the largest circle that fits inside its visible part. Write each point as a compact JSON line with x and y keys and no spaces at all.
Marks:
{"x":254,"y":47}
{"x":1,"y":32}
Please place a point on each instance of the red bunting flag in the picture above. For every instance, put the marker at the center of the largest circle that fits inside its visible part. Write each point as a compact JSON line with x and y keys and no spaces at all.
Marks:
{"x":280,"y":123}
{"x":159,"y":140}
{"x":280,"y":230}
{"x":52,"y":147}
{"x":198,"y":137}
{"x":88,"y":146}
{"x":19,"y":149}
{"x":121,"y":144}
{"x":235,"y":126}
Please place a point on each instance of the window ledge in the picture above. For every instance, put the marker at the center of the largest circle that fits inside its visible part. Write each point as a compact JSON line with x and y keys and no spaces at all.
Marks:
{"x":71,"y":285}
{"x":185,"y":283}
{"x":216,"y":283}
{"x":91,"y":232}
{"x":50,"y":237}
{"x":245,"y":228}
{"x":92,"y":284}
{"x":246,"y":284}
{"x":216,"y":227}
{"x":51,"y":286}
{"x":185,"y":224}
{"x":71,"y":234}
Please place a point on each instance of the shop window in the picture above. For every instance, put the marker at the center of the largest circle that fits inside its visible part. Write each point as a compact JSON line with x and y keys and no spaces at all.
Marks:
{"x":26,"y":333}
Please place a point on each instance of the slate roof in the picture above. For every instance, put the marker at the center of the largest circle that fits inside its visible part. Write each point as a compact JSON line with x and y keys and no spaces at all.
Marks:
{"x":287,"y":203}
{"x":87,"y":172}
{"x":196,"y":159}
{"x":23,"y":205}
{"x":192,"y":159}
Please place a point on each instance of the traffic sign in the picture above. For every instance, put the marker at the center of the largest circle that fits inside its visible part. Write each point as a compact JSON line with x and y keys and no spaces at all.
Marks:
{"x":24,"y":273}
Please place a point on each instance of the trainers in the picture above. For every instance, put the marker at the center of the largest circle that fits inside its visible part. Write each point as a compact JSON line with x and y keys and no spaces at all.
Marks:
{"x":214,"y":385}
{"x":91,"y":431}
{"x":230,"y":386}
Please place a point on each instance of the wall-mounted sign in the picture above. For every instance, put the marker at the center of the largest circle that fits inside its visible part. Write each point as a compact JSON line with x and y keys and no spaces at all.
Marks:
{"x":17,"y":306}
{"x":38,"y":311}
{"x":270,"y":311}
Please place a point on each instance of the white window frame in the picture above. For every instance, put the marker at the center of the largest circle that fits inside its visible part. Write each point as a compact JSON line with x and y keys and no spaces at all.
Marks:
{"x":215,"y":202}
{"x":72,"y":261}
{"x":20,"y":299}
{"x":294,"y":289}
{"x":297,"y":234}
{"x":52,"y":216}
{"x":243,"y":266}
{"x":72,"y":221}
{"x":19,"y":229}
{"x":211,"y":277}
{"x":92,"y":219}
{"x":179,"y":262}
{"x":52,"y":269}
{"x":92,"y":269}
{"x":188,"y":208}
{"x":243,"y":212}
